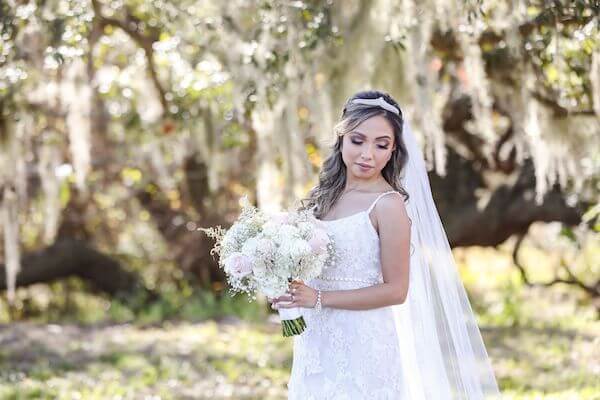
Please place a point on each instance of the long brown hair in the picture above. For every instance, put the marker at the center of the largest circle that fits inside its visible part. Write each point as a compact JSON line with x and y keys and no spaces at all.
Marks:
{"x":332,"y":177}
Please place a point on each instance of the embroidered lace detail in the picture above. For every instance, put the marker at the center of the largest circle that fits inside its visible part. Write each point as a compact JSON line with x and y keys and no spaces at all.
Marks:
{"x":348,"y":354}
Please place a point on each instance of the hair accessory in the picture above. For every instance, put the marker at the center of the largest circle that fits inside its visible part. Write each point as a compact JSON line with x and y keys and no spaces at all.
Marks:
{"x":380,"y":101}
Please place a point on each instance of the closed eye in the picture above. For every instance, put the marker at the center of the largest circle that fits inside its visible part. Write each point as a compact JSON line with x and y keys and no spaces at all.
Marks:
{"x":380,"y":146}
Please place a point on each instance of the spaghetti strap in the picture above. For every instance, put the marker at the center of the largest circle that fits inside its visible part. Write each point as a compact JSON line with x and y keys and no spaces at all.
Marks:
{"x":377,"y":199}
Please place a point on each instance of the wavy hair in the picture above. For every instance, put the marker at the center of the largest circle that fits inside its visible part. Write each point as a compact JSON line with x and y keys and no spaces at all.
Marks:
{"x":332,"y":177}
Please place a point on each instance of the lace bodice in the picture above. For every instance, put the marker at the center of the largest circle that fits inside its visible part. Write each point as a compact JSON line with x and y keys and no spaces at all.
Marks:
{"x":357,"y":249}
{"x":348,"y":354}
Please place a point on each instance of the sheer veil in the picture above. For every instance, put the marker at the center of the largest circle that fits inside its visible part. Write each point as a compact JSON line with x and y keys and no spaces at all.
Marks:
{"x":443,"y":353}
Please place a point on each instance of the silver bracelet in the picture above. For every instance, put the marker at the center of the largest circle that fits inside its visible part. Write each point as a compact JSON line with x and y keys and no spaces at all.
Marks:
{"x":318,"y":304}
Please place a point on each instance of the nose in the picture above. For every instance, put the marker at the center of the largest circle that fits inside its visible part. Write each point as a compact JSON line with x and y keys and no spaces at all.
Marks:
{"x":366,"y":154}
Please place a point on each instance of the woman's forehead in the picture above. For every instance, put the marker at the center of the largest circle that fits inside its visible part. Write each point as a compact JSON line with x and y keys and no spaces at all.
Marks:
{"x":376,"y":127}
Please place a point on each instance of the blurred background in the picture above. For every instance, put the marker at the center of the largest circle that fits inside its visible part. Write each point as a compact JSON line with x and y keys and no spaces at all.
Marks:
{"x":125,"y":125}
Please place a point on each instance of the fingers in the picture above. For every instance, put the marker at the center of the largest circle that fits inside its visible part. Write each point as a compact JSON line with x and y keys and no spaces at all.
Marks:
{"x":296,"y":284}
{"x":295,"y":289}
{"x":284,"y":304}
{"x":285,"y":301}
{"x":280,"y":298}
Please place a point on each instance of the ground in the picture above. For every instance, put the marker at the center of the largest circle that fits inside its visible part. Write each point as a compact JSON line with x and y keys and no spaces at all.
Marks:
{"x":235,"y":359}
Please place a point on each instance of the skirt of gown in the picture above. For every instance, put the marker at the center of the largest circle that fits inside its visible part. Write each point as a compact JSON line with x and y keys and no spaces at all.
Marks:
{"x":346,"y":354}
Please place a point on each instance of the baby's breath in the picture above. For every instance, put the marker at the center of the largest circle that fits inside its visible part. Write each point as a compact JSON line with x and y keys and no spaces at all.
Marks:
{"x":277,"y":248}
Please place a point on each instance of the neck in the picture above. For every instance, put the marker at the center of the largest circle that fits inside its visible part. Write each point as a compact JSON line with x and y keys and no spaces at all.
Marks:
{"x":362,"y":185}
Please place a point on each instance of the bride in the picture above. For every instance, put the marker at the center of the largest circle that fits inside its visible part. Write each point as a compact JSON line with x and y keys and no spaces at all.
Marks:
{"x":391,"y":318}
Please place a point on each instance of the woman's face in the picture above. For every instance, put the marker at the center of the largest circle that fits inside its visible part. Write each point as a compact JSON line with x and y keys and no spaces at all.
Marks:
{"x":370,"y":145}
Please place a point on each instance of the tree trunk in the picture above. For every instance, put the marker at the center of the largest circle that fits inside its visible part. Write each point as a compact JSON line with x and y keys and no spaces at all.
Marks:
{"x":73,"y":257}
{"x":510,"y":210}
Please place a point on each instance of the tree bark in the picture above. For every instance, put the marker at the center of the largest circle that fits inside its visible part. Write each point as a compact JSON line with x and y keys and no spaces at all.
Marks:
{"x":510,"y":210}
{"x":190,"y":248}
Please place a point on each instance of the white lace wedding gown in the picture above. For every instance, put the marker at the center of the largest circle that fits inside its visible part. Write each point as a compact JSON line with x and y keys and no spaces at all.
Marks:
{"x":348,"y":354}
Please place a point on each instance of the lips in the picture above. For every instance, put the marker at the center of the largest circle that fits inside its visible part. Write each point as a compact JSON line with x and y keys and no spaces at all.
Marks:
{"x":364,"y":165}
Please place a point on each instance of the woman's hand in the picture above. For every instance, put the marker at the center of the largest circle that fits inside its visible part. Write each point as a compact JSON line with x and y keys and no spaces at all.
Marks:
{"x":300,"y":295}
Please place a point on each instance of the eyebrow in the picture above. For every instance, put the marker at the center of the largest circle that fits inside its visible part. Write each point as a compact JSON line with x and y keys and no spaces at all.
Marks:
{"x":379,"y":137}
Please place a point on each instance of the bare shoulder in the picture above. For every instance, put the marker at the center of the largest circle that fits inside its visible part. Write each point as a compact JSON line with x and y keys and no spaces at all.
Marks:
{"x":391,"y":214}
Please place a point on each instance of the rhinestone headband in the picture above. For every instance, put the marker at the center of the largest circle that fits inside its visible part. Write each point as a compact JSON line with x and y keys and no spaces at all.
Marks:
{"x":380,"y":102}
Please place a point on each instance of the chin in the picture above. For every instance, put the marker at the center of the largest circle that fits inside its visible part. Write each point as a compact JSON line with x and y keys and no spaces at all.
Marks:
{"x":363,"y":173}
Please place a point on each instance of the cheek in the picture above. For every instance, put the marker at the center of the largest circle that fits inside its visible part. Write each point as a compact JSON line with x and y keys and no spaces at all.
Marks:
{"x":383,"y":158}
{"x":350,"y":151}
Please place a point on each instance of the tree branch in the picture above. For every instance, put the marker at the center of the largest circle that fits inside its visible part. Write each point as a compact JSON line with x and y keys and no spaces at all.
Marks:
{"x":73,"y":257}
{"x":559,"y":111}
{"x":593,"y":291}
{"x":145,"y":41}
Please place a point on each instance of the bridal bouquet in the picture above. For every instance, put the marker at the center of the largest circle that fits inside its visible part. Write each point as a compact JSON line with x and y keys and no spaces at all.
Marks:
{"x":263,"y":252}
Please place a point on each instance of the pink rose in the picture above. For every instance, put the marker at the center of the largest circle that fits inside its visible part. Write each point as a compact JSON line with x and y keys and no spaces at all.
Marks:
{"x":238,"y":265}
{"x":319,"y":241}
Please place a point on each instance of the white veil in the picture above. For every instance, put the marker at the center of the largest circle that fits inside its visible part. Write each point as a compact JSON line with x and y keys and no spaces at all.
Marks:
{"x":443,"y":354}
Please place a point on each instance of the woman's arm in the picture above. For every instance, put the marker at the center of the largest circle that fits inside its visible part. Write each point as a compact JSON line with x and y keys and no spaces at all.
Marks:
{"x":380,"y":295}
{"x":394,"y":238}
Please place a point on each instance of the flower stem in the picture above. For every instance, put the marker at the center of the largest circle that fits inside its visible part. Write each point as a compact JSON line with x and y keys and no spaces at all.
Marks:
{"x":291,"y":327}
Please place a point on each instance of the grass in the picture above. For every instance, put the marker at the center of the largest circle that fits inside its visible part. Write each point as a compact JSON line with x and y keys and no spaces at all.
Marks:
{"x":544,"y":343}
{"x":237,"y":359}
{"x":173,"y":361}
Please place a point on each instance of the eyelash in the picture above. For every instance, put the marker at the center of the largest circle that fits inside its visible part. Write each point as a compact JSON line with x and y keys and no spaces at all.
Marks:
{"x":381,"y":147}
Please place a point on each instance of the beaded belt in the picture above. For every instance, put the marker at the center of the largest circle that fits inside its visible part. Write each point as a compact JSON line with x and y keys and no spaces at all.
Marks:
{"x":335,"y":278}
